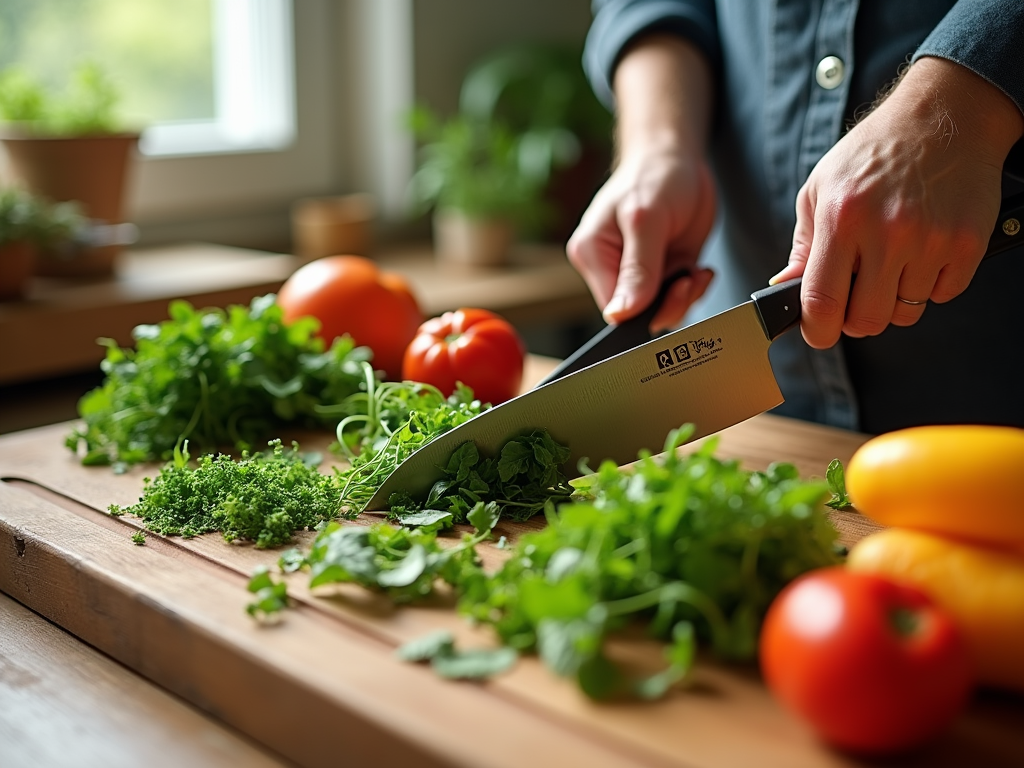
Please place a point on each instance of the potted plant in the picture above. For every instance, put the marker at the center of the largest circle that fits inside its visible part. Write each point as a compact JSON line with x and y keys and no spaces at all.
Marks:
{"x":69,"y":146}
{"x":477,"y":177}
{"x":27,"y":224}
{"x":540,"y":92}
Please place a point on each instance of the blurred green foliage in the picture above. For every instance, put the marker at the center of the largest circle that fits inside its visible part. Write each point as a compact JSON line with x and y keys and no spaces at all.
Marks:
{"x":157,"y":54}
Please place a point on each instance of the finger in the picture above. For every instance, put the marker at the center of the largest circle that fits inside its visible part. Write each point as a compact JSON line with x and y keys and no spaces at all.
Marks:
{"x":641,"y":267}
{"x":803,"y":237}
{"x":680,"y":297}
{"x":594,"y":251}
{"x":880,"y":263}
{"x":826,"y":278}
{"x":914,"y":288}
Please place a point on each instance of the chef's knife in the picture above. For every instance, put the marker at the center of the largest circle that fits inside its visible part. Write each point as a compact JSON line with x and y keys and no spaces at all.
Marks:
{"x":712,"y":374}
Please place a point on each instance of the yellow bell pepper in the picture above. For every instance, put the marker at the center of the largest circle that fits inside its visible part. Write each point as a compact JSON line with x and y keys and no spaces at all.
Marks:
{"x":980,"y":587}
{"x":963,"y":481}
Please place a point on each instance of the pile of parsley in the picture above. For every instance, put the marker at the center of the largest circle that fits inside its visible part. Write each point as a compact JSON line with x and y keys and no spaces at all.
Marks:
{"x":217,"y":378}
{"x":691,"y":548}
{"x":263,"y":497}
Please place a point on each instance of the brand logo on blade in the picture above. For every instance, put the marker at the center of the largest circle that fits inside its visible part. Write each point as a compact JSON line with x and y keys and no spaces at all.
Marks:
{"x":669,"y":357}
{"x":693,"y":353}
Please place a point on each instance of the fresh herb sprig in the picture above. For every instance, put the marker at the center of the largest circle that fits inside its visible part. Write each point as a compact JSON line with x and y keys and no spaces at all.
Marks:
{"x":384,"y":423}
{"x":217,"y":378}
{"x":263,"y":498}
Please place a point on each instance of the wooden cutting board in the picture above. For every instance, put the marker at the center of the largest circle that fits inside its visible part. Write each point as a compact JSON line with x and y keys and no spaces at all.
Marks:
{"x":322,"y":687}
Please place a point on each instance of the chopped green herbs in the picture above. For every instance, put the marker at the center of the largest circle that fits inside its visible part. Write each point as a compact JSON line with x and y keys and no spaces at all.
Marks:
{"x":386,"y":422}
{"x":217,"y":378}
{"x":139,"y":538}
{"x":693,"y":548}
{"x":687,"y":545}
{"x":263,"y":498}
{"x":520,"y":481}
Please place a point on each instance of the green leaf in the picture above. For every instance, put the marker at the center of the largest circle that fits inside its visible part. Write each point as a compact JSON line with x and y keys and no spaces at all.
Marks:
{"x":427,"y":647}
{"x":410,"y":568}
{"x":428,"y":519}
{"x":835,"y":476}
{"x":475,"y":663}
{"x":483,"y":517}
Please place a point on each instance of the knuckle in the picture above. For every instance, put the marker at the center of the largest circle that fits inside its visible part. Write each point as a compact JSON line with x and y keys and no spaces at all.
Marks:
{"x":820,"y":306}
{"x":867,"y":325}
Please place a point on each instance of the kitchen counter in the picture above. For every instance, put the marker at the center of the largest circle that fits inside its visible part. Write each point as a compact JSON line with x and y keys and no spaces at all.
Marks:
{"x":323,"y":687}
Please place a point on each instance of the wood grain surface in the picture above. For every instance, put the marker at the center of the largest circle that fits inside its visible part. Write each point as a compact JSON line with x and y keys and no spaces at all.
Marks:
{"x":322,"y":687}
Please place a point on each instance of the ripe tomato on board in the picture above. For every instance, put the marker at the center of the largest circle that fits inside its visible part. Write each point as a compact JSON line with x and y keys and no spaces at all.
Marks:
{"x":872,"y":664}
{"x":349,"y":294}
{"x":474,"y":346}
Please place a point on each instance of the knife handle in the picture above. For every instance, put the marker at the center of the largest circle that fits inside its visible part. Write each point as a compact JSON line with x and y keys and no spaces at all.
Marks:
{"x":779,"y":305}
{"x":613,"y":339}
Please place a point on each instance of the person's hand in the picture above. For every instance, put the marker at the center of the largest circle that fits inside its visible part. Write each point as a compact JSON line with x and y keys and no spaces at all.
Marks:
{"x":654,"y":213}
{"x":649,"y":219}
{"x":907,"y":201}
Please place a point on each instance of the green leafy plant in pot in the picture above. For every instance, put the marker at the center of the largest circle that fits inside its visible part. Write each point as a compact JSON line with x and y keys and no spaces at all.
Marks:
{"x":69,"y":146}
{"x":477,"y":177}
{"x":540,"y":92}
{"x":27,"y":224}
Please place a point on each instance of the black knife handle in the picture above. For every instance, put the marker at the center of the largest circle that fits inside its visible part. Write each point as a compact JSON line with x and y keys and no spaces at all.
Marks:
{"x":613,"y":339}
{"x":779,"y":305}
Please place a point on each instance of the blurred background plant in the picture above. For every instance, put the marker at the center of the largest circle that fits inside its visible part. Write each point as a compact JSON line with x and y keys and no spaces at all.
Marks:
{"x":87,"y":105}
{"x":475,"y":166}
{"x":530,"y":142}
{"x":31,"y":218}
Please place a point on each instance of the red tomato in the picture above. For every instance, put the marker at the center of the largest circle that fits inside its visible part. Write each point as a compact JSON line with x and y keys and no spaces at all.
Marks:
{"x":473,"y":346}
{"x":873,"y":665}
{"x":349,"y":294}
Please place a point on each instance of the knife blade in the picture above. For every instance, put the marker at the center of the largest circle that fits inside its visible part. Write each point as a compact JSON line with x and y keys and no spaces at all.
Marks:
{"x":713,"y":374}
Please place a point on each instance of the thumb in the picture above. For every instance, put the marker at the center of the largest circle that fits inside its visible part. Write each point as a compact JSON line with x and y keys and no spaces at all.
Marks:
{"x":803,"y":236}
{"x":640,"y":271}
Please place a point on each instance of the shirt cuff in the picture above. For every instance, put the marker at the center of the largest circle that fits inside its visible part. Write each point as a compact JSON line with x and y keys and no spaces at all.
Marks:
{"x":986,"y":37}
{"x":618,"y":22}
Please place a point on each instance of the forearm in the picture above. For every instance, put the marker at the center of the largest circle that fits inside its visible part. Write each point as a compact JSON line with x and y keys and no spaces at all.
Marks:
{"x":663,"y":94}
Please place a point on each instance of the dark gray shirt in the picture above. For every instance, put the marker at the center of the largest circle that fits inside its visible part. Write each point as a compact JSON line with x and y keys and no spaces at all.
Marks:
{"x":791,"y":76}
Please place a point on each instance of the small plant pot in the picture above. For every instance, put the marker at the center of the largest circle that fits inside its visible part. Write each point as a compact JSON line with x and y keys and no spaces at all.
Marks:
{"x":333,"y":226}
{"x":93,"y":170}
{"x":17,"y":260}
{"x":467,"y":241}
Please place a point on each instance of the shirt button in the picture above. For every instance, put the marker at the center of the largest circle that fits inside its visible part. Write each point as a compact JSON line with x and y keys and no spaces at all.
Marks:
{"x":829,"y":73}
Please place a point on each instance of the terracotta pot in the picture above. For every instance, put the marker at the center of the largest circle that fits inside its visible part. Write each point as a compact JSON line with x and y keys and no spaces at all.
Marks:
{"x":468,"y":241}
{"x":16,"y":262}
{"x":333,"y":226}
{"x":90,"y":169}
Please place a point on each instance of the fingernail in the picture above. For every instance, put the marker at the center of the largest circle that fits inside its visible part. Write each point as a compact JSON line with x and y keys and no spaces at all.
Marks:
{"x":613,"y":307}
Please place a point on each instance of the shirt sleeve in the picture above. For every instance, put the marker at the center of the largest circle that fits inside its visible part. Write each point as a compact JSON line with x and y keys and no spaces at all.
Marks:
{"x":987,"y":37}
{"x":617,"y":22}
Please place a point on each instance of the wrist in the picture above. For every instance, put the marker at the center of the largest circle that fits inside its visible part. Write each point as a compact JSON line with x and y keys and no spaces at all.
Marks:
{"x":957,"y":104}
{"x":663,"y":97}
